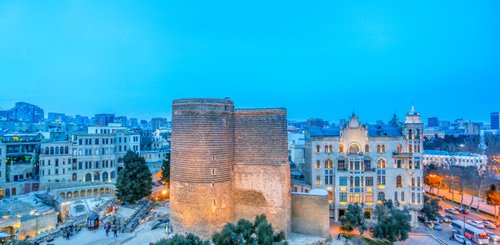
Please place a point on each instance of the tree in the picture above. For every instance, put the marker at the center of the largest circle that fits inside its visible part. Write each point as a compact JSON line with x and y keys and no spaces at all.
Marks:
{"x":493,"y":199}
{"x":433,"y":181}
{"x":188,"y":239}
{"x":246,"y":232}
{"x":393,"y":223}
{"x":165,"y":169}
{"x":134,"y":181}
{"x":353,"y":218}
{"x":431,"y":208}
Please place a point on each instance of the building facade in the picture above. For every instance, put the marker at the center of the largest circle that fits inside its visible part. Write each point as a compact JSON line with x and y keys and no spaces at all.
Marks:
{"x":447,"y":159}
{"x":368,"y":164}
{"x":17,"y":169}
{"x":495,"y":120}
{"x":92,"y":157}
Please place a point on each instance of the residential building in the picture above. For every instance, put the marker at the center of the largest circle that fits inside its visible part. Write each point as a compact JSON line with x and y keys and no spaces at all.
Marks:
{"x":95,"y":156}
{"x":447,"y":159}
{"x":104,"y":119}
{"x":361,"y":163}
{"x":17,"y":171}
{"x":432,"y":122}
{"x":24,"y":112}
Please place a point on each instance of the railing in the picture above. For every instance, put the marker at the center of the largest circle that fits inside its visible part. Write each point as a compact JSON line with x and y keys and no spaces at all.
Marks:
{"x":402,"y":154}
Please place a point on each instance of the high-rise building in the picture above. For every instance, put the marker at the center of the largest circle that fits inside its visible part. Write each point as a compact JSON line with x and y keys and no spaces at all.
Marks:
{"x":158,"y":122}
{"x":104,"y":119}
{"x":362,"y":163}
{"x":26,"y":112}
{"x":432,"y":122}
{"x":495,"y":120}
{"x":122,"y":120}
{"x":54,"y":116}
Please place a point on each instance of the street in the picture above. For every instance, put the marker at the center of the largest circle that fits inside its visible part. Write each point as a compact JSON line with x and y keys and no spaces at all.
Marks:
{"x":446,"y":232}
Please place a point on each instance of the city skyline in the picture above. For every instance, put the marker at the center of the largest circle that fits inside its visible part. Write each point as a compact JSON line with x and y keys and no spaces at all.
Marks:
{"x":323,"y":60}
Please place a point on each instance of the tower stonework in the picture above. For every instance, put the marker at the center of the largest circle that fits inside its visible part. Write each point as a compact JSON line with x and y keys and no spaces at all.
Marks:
{"x":202,"y":156}
{"x":227,"y":165}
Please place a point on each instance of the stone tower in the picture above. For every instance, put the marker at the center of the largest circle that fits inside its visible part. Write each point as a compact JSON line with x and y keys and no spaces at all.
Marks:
{"x":202,"y":155}
{"x":227,"y":165}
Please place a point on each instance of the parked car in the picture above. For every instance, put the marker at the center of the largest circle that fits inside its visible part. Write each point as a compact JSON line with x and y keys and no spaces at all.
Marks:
{"x":445,"y":219}
{"x":437,"y":226}
{"x":493,"y":237}
{"x":492,"y":222}
{"x":452,"y":211}
{"x":489,"y":225}
{"x":451,"y":217}
{"x":461,"y":239}
{"x":430,"y":224}
{"x":475,"y":223}
{"x":464,"y":210}
{"x":438,"y":219}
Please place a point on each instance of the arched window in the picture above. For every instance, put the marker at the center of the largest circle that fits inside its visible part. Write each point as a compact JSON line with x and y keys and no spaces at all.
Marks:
{"x":381,"y":196}
{"x":381,"y":163}
{"x":354,"y":149}
{"x":378,"y":149}
{"x":51,"y":150}
{"x":318,"y":164}
{"x":66,"y":150}
{"x":399,"y":181}
{"x":295,"y":189}
{"x":413,"y":182}
{"x":318,"y":149}
{"x":395,"y":196}
{"x":367,"y":148}
{"x":73,"y":177}
{"x":326,"y":149}
{"x":88,"y":177}
{"x":14,"y":191}
{"x":97,"y":176}
{"x":400,"y":148}
{"x":383,"y":148}
{"x":330,"y":149}
{"x":356,"y":181}
{"x":47,"y":150}
{"x":105,"y":176}
{"x":410,"y":134}
{"x":341,"y":148}
{"x":402,"y":196}
{"x":113,"y":174}
{"x":61,"y":150}
{"x":57,"y":150}
{"x":418,"y":181}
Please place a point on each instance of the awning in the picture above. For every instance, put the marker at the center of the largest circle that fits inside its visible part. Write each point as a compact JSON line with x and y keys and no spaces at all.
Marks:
{"x":4,"y":235}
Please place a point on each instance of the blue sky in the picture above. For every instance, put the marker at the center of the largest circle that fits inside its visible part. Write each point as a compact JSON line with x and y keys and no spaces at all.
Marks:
{"x":317,"y":59}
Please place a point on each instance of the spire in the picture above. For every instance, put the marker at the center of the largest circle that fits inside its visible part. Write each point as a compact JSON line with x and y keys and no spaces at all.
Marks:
{"x":412,"y":109}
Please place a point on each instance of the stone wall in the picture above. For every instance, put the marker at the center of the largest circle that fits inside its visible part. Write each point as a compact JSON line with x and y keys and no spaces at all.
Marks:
{"x":202,"y":156}
{"x":310,"y":213}
{"x":261,"y":189}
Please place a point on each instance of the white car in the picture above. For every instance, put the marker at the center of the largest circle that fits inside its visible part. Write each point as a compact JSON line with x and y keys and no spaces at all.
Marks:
{"x":493,"y":237}
{"x":489,"y":225}
{"x":475,"y":223}
{"x":461,"y":239}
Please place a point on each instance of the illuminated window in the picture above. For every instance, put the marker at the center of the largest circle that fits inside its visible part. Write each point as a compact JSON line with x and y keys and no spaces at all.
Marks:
{"x":381,"y":196}
{"x":400,"y":148}
{"x":381,"y":163}
{"x":369,"y":197}
{"x":318,"y":149}
{"x":354,"y":149}
{"x":343,"y":196}
{"x":318,"y":180}
{"x":378,"y":149}
{"x":399,"y":181}
{"x":341,"y":148}
{"x":413,"y":182}
{"x":318,"y":164}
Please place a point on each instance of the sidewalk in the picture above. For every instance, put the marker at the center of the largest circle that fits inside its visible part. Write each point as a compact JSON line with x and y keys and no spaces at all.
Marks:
{"x":483,"y":207}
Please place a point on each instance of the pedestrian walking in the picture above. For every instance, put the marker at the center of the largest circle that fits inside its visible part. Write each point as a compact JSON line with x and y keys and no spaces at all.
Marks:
{"x":115,"y":232}
{"x":338,"y":237}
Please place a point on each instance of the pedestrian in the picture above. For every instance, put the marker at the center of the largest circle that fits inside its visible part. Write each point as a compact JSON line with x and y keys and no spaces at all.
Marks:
{"x":338,"y":237}
{"x":115,"y":232}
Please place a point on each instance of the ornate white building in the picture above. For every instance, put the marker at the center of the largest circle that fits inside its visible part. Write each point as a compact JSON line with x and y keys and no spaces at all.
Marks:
{"x":367,"y":164}
{"x":463,"y":159}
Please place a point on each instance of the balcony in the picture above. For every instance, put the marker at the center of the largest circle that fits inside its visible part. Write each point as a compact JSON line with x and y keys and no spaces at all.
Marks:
{"x":402,"y":154}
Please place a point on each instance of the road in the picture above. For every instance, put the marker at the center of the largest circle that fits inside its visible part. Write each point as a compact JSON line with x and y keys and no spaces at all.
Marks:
{"x":446,"y":232}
